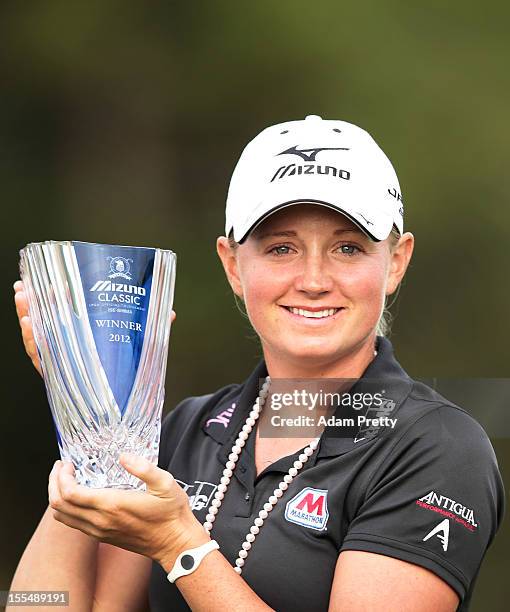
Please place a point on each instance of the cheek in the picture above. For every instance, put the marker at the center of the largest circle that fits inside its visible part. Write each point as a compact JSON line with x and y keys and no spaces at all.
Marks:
{"x":365,"y":284}
{"x":262,"y":289}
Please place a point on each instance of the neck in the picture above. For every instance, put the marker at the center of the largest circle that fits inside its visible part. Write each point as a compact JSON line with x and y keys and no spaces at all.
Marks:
{"x":350,"y":365}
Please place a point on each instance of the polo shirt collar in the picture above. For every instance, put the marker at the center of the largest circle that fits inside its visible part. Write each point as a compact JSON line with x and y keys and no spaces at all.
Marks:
{"x":383,"y":373}
{"x":234,"y":408}
{"x":236,"y":405}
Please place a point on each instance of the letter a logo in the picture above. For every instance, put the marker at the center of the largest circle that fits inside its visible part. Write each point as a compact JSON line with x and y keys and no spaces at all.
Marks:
{"x":442,"y":531}
{"x":309,"y":508}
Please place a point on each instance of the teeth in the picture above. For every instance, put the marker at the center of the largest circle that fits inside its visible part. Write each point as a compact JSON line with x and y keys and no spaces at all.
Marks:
{"x":319,"y":314}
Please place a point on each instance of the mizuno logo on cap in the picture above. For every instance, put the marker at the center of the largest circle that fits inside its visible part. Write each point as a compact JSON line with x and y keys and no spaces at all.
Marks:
{"x":309,"y":155}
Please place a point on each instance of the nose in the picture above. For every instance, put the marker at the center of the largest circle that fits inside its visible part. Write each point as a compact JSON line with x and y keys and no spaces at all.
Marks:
{"x":315,"y":277}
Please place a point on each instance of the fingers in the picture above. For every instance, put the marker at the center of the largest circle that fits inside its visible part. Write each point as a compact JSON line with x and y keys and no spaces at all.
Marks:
{"x":55,"y":497}
{"x":53,"y":491}
{"x":79,"y":507}
{"x":159,"y":482}
{"x":173,"y":316}
{"x":21,"y":302}
{"x":78,"y":495}
{"x":27,"y":332}
{"x":64,"y":511}
{"x":76,"y":523}
{"x":64,"y":492}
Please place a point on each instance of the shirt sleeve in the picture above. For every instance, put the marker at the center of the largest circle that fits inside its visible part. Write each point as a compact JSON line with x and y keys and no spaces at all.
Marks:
{"x":436,"y":500}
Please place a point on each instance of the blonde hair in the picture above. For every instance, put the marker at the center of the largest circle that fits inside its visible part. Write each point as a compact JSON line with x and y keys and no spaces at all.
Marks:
{"x":383,"y":327}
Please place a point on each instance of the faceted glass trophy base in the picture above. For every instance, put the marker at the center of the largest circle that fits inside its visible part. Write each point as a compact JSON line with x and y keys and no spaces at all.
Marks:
{"x":96,"y":456}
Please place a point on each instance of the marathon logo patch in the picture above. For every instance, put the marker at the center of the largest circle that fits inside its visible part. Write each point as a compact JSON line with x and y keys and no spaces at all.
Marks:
{"x":309,"y":508}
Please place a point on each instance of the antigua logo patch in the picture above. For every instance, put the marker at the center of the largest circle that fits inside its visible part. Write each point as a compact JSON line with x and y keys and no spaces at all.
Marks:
{"x":449,"y":508}
{"x":309,"y":508}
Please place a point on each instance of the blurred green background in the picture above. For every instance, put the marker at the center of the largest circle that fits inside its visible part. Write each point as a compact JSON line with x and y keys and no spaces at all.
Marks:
{"x":121,"y":122}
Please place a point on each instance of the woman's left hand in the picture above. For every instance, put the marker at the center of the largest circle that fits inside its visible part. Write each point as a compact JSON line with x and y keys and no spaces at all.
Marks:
{"x":158,"y":523}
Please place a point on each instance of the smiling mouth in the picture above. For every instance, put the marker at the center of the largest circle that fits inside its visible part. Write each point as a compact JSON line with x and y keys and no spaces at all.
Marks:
{"x":313,"y":314}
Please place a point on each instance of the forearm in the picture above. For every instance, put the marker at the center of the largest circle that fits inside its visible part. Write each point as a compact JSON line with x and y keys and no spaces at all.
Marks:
{"x":59,"y":558}
{"x":215,"y":582}
{"x":204,"y":593}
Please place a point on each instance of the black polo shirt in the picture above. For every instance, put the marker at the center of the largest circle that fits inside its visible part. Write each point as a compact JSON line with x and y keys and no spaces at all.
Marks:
{"x":428,"y":492}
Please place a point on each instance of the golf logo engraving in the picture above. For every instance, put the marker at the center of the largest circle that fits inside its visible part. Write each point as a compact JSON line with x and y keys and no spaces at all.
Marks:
{"x":120,"y":266}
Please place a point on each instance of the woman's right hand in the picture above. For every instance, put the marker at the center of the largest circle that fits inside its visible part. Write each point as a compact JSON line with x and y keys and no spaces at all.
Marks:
{"x":27,"y":333}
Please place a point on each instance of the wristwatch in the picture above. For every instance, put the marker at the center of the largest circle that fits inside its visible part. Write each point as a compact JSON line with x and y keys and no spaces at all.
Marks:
{"x":188,"y":561}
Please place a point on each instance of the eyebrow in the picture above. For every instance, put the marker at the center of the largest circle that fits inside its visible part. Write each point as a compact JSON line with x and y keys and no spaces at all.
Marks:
{"x":291,"y":233}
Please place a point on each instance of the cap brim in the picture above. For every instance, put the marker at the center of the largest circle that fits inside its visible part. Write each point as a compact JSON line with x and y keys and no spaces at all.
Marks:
{"x":381,"y":232}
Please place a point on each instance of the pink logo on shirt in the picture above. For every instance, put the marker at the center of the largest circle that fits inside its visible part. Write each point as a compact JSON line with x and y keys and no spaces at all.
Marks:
{"x":223,"y":417}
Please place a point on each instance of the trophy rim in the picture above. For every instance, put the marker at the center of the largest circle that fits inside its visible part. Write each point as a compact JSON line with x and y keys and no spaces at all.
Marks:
{"x":72,"y":242}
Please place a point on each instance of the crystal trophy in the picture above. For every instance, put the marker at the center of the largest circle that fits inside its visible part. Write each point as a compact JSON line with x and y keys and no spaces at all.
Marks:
{"x":101,"y":321}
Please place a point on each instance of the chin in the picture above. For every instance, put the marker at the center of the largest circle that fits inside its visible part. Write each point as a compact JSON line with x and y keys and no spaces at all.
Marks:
{"x":316,"y":352}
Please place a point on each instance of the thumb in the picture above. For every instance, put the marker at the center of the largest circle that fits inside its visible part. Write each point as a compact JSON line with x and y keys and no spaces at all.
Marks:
{"x":158,"y":481}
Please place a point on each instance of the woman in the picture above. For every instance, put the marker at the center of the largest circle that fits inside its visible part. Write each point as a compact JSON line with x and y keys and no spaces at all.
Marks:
{"x":394,"y":512}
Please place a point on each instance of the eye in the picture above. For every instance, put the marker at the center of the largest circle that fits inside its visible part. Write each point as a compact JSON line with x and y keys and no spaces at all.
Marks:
{"x":349,"y":249}
{"x":280,"y":249}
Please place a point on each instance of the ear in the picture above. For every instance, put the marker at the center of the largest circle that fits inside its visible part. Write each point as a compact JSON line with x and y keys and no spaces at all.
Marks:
{"x":400,"y":258}
{"x":228,"y":258}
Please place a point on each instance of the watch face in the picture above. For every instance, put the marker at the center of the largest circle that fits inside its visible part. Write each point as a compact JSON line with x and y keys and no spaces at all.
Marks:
{"x":187,"y":562}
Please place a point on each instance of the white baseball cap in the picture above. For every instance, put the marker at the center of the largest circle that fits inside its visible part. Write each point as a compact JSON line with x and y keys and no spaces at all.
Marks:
{"x":330,"y":163}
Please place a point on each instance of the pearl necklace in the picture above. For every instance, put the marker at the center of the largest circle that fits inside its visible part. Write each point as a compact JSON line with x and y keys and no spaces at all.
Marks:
{"x":229,"y":470}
